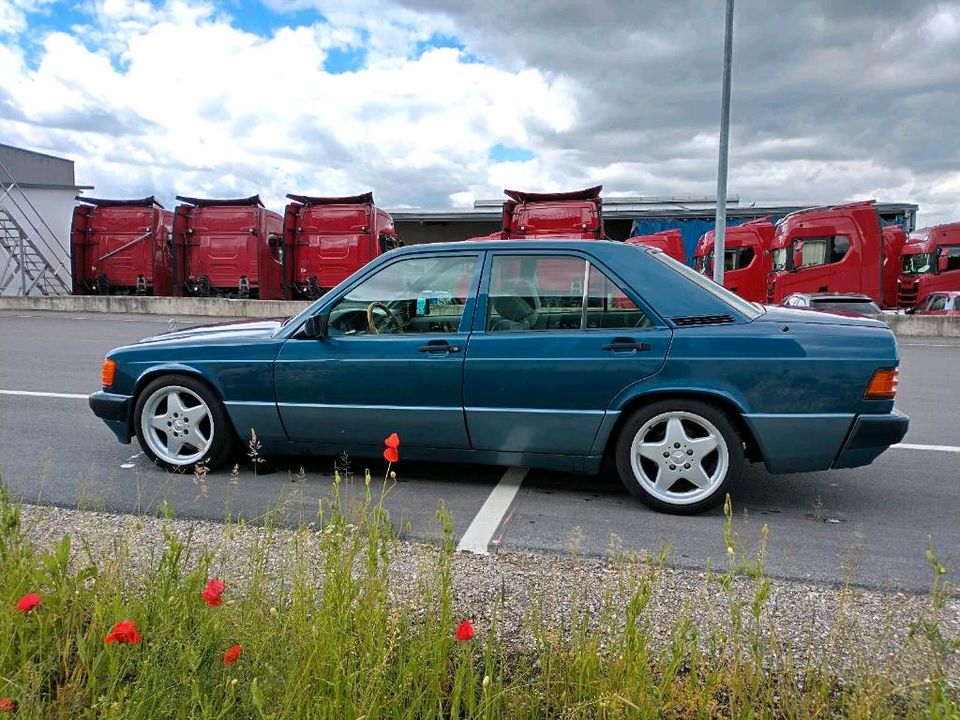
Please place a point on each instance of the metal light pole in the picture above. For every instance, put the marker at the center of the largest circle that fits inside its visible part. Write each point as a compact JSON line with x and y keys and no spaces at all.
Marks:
{"x":720,"y":233}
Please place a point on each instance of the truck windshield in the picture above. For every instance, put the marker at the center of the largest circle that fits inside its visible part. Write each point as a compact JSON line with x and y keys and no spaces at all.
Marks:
{"x":918,"y":264}
{"x":749,"y":310}
{"x":780,"y":259}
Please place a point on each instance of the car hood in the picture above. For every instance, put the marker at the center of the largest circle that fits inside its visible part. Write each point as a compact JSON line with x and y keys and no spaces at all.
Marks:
{"x":777,"y":314}
{"x":229,"y":331}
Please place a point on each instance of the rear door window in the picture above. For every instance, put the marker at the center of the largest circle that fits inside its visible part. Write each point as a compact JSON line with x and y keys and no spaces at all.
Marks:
{"x":535,"y":292}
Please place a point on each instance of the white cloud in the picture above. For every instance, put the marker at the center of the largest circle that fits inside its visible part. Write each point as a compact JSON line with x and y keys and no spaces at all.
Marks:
{"x":180,"y":101}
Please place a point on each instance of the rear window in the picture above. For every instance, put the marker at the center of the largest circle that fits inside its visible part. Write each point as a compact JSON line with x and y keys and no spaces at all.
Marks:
{"x":749,"y":310}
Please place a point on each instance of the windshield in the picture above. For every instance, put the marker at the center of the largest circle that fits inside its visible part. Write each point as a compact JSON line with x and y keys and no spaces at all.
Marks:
{"x":748,"y":309}
{"x":780,"y":259}
{"x":918,"y":264}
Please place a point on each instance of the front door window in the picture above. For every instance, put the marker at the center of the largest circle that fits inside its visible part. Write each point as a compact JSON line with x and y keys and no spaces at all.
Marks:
{"x":416,"y":295}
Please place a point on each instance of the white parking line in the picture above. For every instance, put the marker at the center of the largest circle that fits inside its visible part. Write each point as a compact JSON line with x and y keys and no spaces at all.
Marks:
{"x":934,"y":448}
{"x":31,"y":393}
{"x":478,"y":536}
{"x":950,"y":345}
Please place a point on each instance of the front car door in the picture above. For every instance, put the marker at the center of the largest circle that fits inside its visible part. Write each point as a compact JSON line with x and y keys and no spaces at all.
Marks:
{"x":392,"y":360}
{"x":556,"y":338}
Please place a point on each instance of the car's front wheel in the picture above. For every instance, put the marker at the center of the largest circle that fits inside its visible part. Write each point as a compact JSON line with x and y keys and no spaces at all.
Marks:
{"x":679,"y":456}
{"x":180,"y":423}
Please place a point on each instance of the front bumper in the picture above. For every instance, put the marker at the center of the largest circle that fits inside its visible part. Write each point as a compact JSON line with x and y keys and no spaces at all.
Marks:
{"x":114,"y":410}
{"x":870,"y":436}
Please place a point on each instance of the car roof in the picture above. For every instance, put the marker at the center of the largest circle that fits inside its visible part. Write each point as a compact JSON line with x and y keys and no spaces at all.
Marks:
{"x":603,"y":246}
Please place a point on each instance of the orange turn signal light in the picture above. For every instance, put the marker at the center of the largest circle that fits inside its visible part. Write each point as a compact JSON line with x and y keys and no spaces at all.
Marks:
{"x":108,"y":372}
{"x":883,"y":385}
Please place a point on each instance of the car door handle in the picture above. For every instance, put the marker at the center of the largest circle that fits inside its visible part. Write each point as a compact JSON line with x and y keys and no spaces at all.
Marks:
{"x":625,"y":344}
{"x":438,"y":346}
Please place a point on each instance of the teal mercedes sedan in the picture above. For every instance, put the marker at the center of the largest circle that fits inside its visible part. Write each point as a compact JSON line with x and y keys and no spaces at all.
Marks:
{"x":550,"y":354}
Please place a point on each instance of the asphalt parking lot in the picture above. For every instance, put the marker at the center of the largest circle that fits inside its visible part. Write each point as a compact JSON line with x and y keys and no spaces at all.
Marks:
{"x":869,"y":526}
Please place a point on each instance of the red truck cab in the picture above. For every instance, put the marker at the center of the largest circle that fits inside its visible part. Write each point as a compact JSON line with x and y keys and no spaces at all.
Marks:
{"x":227,"y":248}
{"x":574,"y":215}
{"x":326,"y":239}
{"x":838,"y":248}
{"x":121,"y":247}
{"x":746,"y":258}
{"x":930,"y":263}
{"x":670,"y":241}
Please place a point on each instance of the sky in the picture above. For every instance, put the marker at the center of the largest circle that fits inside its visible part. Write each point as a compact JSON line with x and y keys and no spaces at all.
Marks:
{"x":435,"y":103}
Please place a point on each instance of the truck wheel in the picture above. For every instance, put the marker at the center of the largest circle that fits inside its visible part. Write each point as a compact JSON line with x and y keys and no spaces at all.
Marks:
{"x":180,"y":423}
{"x":678,"y":456}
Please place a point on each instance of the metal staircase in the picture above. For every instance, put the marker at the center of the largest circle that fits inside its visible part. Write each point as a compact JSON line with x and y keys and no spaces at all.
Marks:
{"x":32,"y":259}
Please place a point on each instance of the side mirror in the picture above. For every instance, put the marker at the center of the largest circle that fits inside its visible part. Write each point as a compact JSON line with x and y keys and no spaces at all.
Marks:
{"x":315,"y":327}
{"x":942,"y":262}
{"x":911,"y":310}
{"x":797,"y":255}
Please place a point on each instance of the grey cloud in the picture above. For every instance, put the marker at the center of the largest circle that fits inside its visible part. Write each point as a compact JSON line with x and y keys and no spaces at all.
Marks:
{"x":858,"y":80}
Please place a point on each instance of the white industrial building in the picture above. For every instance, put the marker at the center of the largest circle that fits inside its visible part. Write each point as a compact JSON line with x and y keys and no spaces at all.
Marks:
{"x":37,"y":194}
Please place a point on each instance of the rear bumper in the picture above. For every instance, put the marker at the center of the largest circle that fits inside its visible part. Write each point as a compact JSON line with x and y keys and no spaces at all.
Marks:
{"x":114,"y":410}
{"x":870,"y":436}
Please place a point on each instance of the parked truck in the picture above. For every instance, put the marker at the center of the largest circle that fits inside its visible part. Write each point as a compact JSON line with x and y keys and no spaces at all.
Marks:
{"x":575,"y":215}
{"x":837,"y":248}
{"x":325,"y":239}
{"x":121,"y":247}
{"x":930,"y":263}
{"x":227,"y":248}
{"x":670,"y":241}
{"x":746,"y":257}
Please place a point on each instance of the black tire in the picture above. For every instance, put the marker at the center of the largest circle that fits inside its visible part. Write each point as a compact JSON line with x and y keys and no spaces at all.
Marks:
{"x":674,"y":491}
{"x":155,"y":398}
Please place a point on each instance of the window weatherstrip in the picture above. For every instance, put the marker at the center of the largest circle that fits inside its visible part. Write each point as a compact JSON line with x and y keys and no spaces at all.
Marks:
{"x":586,"y":291}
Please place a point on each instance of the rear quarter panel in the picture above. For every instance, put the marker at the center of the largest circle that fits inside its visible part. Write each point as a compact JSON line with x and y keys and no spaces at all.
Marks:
{"x":798,"y":386}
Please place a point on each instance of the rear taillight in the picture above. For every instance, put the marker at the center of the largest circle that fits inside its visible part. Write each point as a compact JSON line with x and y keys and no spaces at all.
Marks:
{"x":107,"y":372}
{"x":883,"y":385}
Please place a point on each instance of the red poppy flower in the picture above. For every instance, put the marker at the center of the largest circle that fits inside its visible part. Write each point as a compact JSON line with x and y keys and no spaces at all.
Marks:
{"x":28,"y":602}
{"x":464,"y":631}
{"x":124,"y":632}
{"x":231,"y":655}
{"x":212,"y":592}
{"x":8,"y":706}
{"x":393,"y":442}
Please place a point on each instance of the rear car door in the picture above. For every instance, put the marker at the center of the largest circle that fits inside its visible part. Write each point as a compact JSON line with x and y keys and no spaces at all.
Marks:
{"x":392,"y":360}
{"x":556,"y":338}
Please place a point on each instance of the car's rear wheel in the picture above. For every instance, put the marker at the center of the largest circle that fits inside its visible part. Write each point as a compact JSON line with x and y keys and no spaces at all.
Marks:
{"x":679,"y":456}
{"x":180,"y":423}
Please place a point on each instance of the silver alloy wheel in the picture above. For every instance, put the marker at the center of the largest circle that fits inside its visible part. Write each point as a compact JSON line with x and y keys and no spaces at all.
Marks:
{"x":177,"y":425}
{"x":679,"y":457}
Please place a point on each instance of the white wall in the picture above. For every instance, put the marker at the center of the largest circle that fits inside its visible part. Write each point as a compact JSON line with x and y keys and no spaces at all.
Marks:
{"x":55,"y":207}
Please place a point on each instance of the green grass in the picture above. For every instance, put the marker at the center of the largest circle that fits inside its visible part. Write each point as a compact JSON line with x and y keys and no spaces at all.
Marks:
{"x":324,"y":640}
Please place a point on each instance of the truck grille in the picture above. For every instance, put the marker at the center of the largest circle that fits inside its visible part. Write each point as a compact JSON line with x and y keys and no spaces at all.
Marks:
{"x":907,"y":294}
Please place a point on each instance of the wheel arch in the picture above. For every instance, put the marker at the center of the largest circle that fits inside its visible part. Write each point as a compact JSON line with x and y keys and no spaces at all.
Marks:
{"x":174,"y":370}
{"x":721,"y":402}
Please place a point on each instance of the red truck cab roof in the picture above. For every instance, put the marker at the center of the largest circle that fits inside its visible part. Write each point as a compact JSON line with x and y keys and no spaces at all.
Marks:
{"x":670,"y":241}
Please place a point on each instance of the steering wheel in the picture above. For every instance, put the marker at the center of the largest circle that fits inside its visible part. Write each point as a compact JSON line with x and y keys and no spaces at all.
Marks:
{"x":372,"y":326}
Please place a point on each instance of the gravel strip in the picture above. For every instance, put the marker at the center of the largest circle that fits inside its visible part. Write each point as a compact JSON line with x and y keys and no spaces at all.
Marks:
{"x":849,"y":628}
